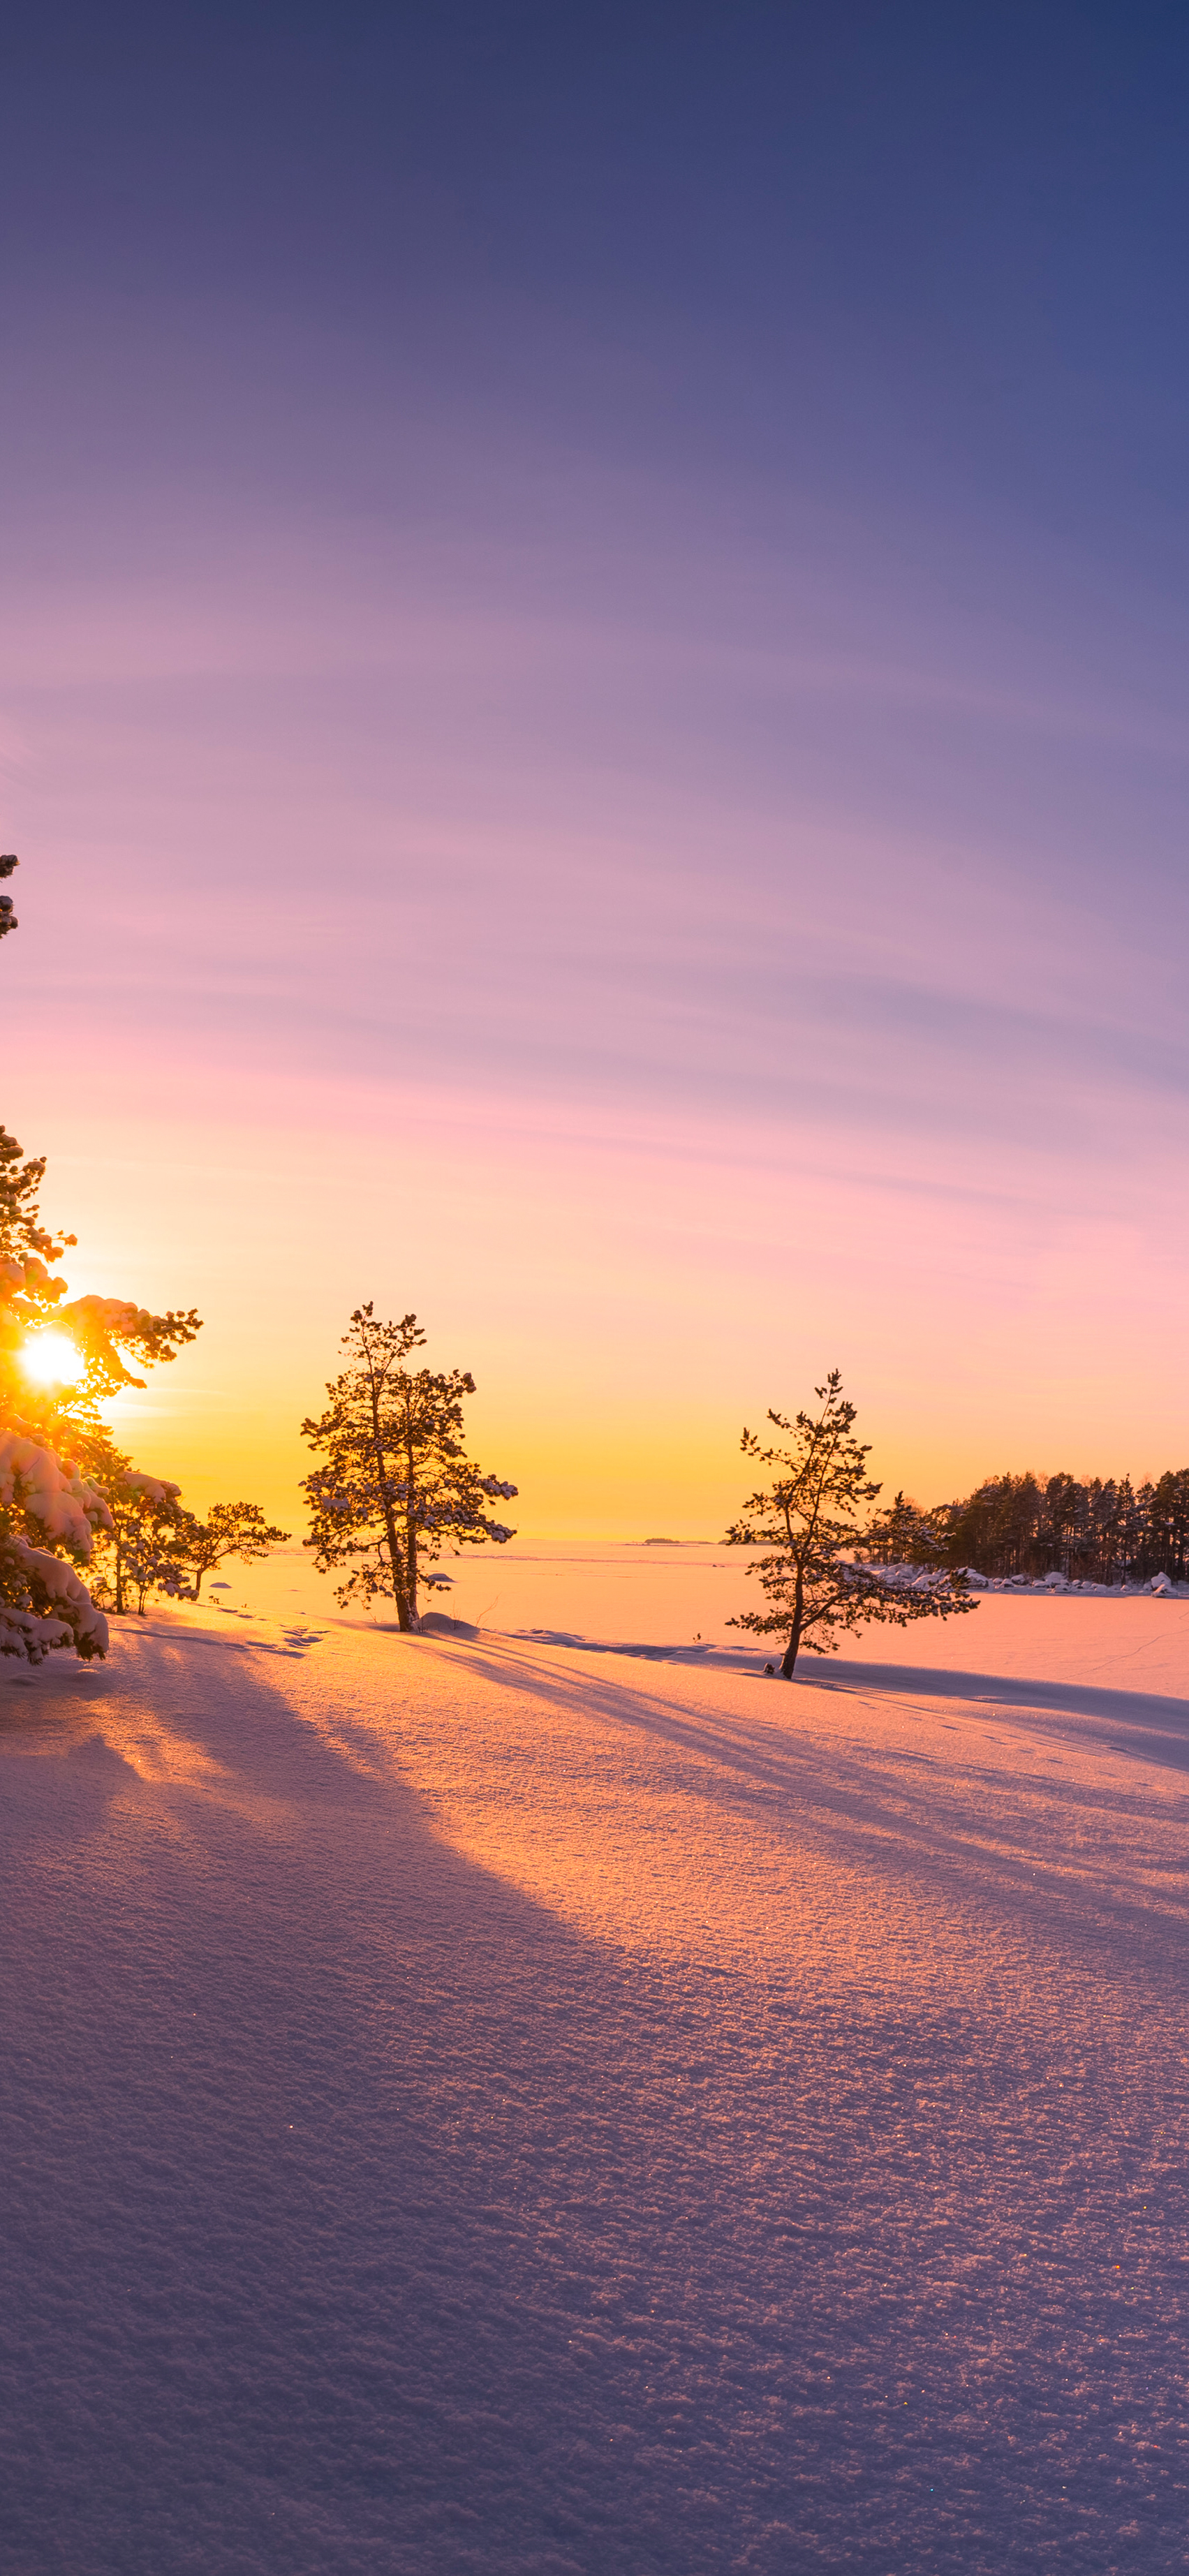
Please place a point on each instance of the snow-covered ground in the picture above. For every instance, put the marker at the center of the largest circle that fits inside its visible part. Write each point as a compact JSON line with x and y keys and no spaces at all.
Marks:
{"x":488,"y":2105}
{"x":656,"y":1595}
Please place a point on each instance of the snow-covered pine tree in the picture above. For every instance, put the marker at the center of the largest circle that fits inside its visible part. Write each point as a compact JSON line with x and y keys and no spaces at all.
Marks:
{"x":53,"y":1441}
{"x":54,"y":1448}
{"x":139,"y":1549}
{"x":397,"y":1491}
{"x":151,"y":1543}
{"x":817,"y":1576}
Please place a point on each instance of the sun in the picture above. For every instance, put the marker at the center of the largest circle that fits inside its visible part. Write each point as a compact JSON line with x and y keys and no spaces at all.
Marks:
{"x":51,"y":1359}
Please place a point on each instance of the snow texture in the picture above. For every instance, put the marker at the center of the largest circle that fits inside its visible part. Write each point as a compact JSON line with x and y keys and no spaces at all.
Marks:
{"x":59,"y":1580}
{"x":52,"y":1492}
{"x":30,"y":1634}
{"x":473,"y":2104}
{"x":134,"y":1481}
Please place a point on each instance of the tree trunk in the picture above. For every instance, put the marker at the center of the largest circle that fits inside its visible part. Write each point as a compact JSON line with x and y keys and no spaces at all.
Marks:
{"x":403,"y":1620}
{"x":399,"y":1594}
{"x":410,"y":1532}
{"x":793,"y":1646}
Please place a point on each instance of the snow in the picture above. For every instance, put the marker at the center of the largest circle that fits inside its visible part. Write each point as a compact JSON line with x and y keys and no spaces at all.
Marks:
{"x":479,"y":2104}
{"x":133,"y":1481}
{"x":83,"y":1623}
{"x":64,"y":1502}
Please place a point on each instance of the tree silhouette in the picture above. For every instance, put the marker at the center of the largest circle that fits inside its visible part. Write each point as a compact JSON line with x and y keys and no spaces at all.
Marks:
{"x":397,"y":1490}
{"x":820,"y":1574}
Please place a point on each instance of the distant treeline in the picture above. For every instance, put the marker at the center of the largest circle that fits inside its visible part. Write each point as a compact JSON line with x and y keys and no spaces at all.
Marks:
{"x":1101,"y":1530}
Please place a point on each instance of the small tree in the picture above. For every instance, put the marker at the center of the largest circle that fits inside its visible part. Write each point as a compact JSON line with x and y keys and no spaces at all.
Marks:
{"x":818,"y":1576}
{"x":154,"y":1545}
{"x":141,"y":1550}
{"x":233,"y":1529}
{"x":397,"y":1490}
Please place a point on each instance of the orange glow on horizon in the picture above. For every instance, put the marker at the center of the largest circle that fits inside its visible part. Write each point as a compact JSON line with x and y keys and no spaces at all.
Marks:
{"x":647,"y":1287}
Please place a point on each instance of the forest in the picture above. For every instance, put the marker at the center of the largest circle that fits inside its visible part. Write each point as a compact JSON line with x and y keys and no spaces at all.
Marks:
{"x":1092,"y":1529}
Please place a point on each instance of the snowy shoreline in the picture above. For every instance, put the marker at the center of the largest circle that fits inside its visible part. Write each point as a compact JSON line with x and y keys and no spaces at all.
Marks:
{"x":1067,"y":1587}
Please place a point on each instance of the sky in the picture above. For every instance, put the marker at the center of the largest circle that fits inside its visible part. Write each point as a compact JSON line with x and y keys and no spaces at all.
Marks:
{"x":591,"y":702}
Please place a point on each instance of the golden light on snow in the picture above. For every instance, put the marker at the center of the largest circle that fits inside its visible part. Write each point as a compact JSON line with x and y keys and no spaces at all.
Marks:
{"x":51,"y":1359}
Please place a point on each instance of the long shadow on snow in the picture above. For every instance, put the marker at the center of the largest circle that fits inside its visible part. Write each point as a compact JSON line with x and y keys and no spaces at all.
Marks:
{"x":1154,"y":1728}
{"x":877,"y":1807}
{"x":1155,"y":1724}
{"x":363,"y":2216}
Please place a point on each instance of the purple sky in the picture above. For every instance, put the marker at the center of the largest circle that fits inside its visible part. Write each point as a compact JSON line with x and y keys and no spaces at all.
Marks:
{"x":592,"y":708}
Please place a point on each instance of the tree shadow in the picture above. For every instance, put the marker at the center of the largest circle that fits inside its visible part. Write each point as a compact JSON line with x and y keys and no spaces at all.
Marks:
{"x":1151,"y":1725}
{"x":363,"y":2213}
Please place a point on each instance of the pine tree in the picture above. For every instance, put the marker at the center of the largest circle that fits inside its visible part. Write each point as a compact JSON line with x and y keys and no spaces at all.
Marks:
{"x":141,"y":1548}
{"x":237,"y":1530}
{"x":55,"y":1452}
{"x":818,"y":1575}
{"x":397,"y":1490}
{"x":905,"y":1535}
{"x":57,"y":1463}
{"x":1171,"y":1521}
